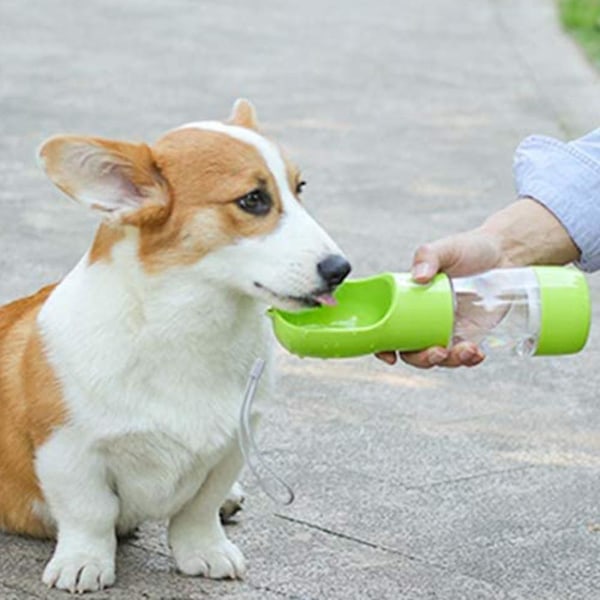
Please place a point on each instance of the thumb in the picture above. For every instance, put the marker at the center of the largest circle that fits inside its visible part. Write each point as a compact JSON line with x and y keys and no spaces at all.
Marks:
{"x":426,"y":263}
{"x":431,"y":258}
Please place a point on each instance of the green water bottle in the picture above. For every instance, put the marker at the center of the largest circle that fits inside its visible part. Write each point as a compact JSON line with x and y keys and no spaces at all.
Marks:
{"x":524,"y":311}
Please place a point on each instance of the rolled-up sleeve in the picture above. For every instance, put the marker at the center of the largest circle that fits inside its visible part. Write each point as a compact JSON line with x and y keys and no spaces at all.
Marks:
{"x":565,"y":178}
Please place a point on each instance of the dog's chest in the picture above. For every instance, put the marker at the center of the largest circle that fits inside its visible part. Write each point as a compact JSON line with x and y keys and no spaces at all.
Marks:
{"x":173,"y":427}
{"x":153,"y":475}
{"x":157,"y":459}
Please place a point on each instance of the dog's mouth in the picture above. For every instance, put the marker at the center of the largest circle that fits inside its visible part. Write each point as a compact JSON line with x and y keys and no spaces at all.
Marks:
{"x":320,"y":297}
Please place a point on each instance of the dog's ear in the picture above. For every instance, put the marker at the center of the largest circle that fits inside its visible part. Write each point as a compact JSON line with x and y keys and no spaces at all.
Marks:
{"x":115,"y":178}
{"x":244,"y":114}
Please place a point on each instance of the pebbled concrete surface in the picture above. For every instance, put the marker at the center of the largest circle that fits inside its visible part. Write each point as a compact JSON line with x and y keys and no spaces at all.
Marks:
{"x":404,"y":115}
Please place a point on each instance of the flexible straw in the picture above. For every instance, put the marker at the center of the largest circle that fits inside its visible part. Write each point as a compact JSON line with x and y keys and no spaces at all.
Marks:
{"x":271,"y":484}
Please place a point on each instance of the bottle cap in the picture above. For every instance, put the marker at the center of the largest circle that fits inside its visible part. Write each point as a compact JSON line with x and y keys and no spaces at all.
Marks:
{"x":565,"y":310}
{"x":388,"y":311}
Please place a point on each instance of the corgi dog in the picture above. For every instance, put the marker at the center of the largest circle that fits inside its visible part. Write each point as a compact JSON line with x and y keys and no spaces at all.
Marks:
{"x":121,"y":386}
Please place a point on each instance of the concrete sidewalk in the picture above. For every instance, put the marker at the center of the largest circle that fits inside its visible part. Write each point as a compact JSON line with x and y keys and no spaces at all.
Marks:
{"x":404,"y":116}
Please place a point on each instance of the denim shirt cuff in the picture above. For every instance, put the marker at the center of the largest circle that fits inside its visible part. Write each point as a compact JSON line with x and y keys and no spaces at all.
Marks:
{"x":566,"y":181}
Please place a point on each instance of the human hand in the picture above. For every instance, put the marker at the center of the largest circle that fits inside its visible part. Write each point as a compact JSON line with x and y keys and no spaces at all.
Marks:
{"x":523,"y":233}
{"x":458,"y":255}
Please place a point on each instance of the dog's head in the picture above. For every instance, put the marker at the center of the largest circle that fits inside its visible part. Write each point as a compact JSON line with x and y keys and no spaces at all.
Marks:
{"x":216,"y":198}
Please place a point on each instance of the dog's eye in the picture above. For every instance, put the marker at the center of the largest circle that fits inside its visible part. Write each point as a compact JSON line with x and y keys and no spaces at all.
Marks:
{"x":256,"y":202}
{"x":300,"y":186}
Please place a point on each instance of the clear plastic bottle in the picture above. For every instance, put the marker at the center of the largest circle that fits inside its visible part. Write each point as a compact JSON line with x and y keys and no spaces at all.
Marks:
{"x":498,"y":310}
{"x":525,"y":311}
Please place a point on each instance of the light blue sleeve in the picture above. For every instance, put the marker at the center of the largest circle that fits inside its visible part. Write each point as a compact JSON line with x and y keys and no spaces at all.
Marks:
{"x":565,"y":178}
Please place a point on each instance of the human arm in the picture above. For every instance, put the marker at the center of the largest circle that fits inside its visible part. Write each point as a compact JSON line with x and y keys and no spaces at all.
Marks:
{"x":561,"y":225}
{"x":523,"y":233}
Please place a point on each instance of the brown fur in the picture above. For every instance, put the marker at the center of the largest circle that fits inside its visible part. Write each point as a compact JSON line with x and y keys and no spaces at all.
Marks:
{"x":244,"y":115}
{"x":107,"y":236}
{"x":187,"y":186}
{"x":293,"y":174}
{"x":205,"y":173}
{"x":30,"y":408}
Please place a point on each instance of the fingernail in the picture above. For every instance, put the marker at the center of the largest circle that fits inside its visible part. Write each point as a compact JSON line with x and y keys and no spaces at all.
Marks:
{"x":435,"y":357}
{"x":423,"y":271}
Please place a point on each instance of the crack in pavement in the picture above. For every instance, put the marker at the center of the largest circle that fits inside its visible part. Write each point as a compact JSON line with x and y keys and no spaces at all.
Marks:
{"x":389,"y":550}
{"x":427,"y":486}
{"x":351,"y":538}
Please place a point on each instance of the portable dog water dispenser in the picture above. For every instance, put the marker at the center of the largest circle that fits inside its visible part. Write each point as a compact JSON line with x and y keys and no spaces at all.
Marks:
{"x":525,"y":311}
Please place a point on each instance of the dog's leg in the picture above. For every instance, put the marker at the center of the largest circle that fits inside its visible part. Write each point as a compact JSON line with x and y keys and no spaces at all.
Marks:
{"x":75,"y":486}
{"x":196,"y":536}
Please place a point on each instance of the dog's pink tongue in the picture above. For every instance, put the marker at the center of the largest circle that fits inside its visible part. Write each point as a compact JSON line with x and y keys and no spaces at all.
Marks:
{"x":326,"y":299}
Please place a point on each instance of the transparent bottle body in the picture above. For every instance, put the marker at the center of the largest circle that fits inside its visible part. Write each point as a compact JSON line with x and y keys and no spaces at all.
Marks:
{"x":498,"y":310}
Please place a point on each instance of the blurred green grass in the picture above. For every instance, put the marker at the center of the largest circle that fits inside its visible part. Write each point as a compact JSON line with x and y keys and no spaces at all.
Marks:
{"x":581,"y":18}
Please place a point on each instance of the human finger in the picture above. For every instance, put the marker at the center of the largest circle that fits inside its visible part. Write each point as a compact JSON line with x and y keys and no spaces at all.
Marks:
{"x":425,"y":359}
{"x":463,"y":354}
{"x":387,"y":357}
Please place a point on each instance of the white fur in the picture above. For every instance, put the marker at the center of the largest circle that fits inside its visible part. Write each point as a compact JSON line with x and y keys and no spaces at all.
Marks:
{"x":153,"y":368}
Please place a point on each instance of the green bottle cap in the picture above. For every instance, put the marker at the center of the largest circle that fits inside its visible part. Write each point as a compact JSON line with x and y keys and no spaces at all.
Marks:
{"x":565,"y":310}
{"x":388,"y":311}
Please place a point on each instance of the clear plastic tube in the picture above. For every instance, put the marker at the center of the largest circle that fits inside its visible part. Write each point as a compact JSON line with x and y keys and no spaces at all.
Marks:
{"x":272,"y":485}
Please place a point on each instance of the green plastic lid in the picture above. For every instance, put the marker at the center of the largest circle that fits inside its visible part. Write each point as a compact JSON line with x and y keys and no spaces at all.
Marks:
{"x":388,"y":311}
{"x":565,"y":310}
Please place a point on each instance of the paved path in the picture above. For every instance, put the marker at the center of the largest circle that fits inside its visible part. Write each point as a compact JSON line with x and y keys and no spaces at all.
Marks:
{"x":450,"y":485}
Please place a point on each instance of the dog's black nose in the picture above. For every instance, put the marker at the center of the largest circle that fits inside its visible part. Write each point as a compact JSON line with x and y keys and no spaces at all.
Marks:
{"x":334,"y":269}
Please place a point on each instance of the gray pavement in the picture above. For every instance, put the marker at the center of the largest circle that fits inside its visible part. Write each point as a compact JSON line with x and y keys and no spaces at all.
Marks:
{"x":404,"y":116}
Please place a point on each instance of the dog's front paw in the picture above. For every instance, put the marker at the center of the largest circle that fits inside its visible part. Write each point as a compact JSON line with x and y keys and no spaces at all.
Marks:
{"x":79,"y":572}
{"x":220,"y":560}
